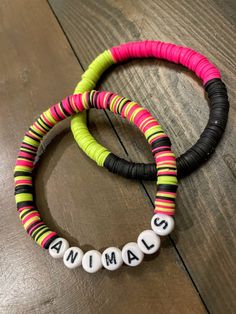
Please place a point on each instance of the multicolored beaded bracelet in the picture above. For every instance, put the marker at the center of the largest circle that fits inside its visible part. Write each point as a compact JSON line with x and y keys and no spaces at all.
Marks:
{"x":162,"y":222}
{"x":214,"y":87}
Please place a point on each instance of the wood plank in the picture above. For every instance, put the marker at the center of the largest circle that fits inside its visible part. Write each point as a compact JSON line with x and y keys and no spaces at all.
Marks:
{"x":38,"y":68}
{"x":205,"y":234}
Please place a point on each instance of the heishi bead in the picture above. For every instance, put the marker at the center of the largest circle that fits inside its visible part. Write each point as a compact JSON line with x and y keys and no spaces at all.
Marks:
{"x":162,"y":224}
{"x":112,"y":258}
{"x":148,"y":242}
{"x":58,"y":247}
{"x":92,"y":261}
{"x":131,"y":254}
{"x":73,"y":257}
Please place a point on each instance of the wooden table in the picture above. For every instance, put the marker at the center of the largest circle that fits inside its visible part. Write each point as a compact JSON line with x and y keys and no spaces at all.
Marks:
{"x":44,"y":49}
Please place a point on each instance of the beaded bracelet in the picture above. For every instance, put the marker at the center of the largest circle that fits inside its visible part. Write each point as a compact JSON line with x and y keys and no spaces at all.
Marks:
{"x":214,"y":87}
{"x":162,"y":222}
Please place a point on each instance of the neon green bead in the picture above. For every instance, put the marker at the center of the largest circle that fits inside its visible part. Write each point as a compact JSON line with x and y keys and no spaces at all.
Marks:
{"x":79,"y":128}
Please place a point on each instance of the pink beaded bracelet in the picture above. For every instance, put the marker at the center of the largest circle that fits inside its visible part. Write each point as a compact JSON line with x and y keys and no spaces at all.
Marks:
{"x":216,"y":91}
{"x":162,"y":222}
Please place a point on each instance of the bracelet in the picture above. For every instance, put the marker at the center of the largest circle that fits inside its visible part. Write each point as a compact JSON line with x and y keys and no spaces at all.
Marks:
{"x":162,"y":222}
{"x":214,"y":87}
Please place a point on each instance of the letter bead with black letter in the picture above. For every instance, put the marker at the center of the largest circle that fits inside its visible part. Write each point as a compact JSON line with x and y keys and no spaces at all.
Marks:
{"x":148,"y":242}
{"x":73,"y":257}
{"x":92,"y":261}
{"x":162,"y":224}
{"x":131,"y":254}
{"x":112,"y":258}
{"x":58,"y":247}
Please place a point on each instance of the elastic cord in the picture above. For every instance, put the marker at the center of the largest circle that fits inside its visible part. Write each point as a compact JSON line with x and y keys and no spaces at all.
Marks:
{"x":215,"y":88}
{"x":165,"y":159}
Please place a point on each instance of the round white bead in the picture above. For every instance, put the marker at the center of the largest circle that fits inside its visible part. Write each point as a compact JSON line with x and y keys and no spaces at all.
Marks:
{"x":148,"y":242}
{"x":58,"y":247}
{"x":112,"y":258}
{"x":73,"y":257}
{"x":92,"y":261}
{"x":131,"y":254}
{"x":162,"y":224}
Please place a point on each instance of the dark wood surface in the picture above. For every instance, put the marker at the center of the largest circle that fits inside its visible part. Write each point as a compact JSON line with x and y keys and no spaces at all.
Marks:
{"x":44,"y":48}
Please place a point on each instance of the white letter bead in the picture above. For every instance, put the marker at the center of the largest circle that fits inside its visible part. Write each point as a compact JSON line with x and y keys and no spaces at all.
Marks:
{"x":149,"y":242}
{"x":112,"y":258}
{"x":162,"y":224}
{"x":92,"y":261}
{"x":58,"y":247}
{"x":131,"y":254}
{"x":73,"y":257}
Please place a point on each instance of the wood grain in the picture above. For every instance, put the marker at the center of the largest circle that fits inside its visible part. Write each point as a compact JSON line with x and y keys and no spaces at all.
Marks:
{"x":84,"y":203}
{"x":205,"y":235}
